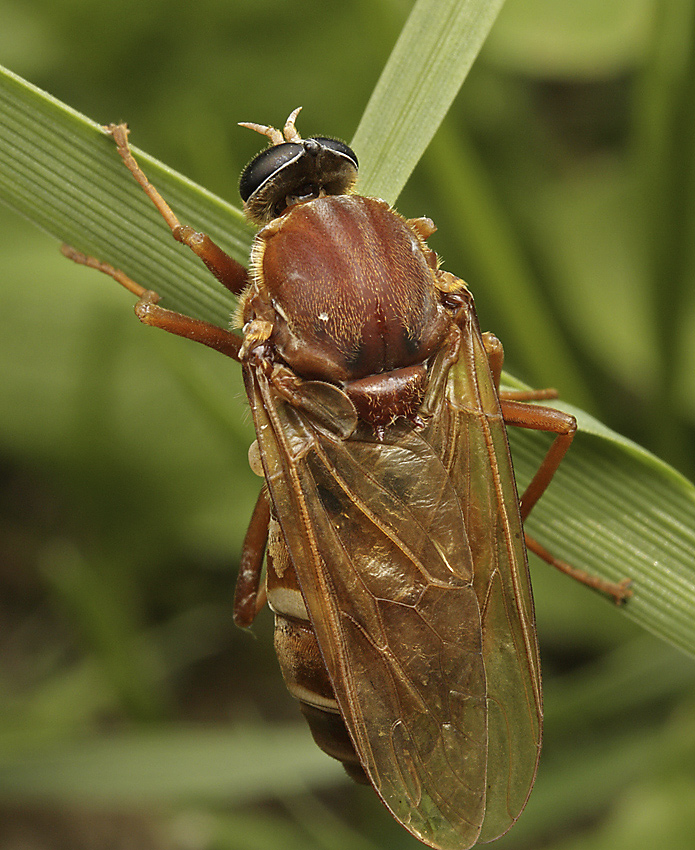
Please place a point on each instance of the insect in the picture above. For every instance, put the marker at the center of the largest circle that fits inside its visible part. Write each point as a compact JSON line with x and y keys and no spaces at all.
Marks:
{"x":396,"y":564}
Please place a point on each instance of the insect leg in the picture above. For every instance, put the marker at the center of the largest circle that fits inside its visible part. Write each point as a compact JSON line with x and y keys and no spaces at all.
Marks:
{"x":541,"y":419}
{"x":229,"y":273}
{"x":564,"y":426}
{"x":620,"y":590}
{"x":150,"y":313}
{"x":495,"y":354}
{"x":249,"y":596}
{"x":528,"y":395}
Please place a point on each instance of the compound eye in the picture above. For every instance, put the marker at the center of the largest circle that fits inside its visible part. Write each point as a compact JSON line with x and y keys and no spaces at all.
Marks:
{"x":264,"y":166}
{"x":295,"y":172}
{"x":339,"y":147}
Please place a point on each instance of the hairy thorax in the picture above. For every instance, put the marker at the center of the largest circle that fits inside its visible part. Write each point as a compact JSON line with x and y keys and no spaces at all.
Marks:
{"x":349,"y":288}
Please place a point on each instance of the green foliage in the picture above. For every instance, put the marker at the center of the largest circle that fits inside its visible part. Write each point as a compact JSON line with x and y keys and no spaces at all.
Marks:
{"x":562,"y":184}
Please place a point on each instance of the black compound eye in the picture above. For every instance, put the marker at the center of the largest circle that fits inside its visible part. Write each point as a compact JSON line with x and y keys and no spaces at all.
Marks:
{"x":295,"y":172}
{"x":263,"y":166}
{"x":339,"y":147}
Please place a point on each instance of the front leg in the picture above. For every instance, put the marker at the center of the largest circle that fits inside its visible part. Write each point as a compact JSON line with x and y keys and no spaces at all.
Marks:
{"x":230,"y":274}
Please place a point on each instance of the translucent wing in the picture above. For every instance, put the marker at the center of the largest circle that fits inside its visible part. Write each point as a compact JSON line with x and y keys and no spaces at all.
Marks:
{"x":377,"y":537}
{"x":412,"y":567}
{"x":466,"y":429}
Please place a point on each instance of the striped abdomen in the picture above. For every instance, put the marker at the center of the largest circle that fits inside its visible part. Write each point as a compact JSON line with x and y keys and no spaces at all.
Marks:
{"x":300,"y":658}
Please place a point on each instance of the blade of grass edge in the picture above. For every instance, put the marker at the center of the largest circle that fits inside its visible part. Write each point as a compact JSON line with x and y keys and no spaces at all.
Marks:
{"x":61,"y":171}
{"x":427,"y":67}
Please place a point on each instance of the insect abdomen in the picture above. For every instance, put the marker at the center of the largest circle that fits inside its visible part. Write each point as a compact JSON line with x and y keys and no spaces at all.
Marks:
{"x":301,"y":662}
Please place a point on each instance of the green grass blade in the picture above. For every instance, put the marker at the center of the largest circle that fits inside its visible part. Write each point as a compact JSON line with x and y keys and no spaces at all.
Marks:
{"x":427,"y":67}
{"x":617,"y":511}
{"x":60,"y":170}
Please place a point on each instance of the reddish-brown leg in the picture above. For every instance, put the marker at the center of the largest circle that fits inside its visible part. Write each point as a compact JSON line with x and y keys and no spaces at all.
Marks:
{"x":564,"y":426}
{"x":249,"y":596}
{"x":230,"y":273}
{"x":546,"y":419}
{"x":495,"y":354}
{"x":546,"y":394}
{"x":149,"y":312}
{"x":619,"y":591}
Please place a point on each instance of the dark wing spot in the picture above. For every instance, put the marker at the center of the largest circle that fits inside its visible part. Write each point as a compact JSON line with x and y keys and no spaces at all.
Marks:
{"x":330,"y":502}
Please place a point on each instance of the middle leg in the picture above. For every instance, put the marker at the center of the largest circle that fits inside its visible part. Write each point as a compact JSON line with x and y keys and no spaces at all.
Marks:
{"x":150,"y":313}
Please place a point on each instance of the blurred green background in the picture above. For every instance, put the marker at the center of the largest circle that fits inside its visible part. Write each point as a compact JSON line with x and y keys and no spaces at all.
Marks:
{"x":132,"y":713}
